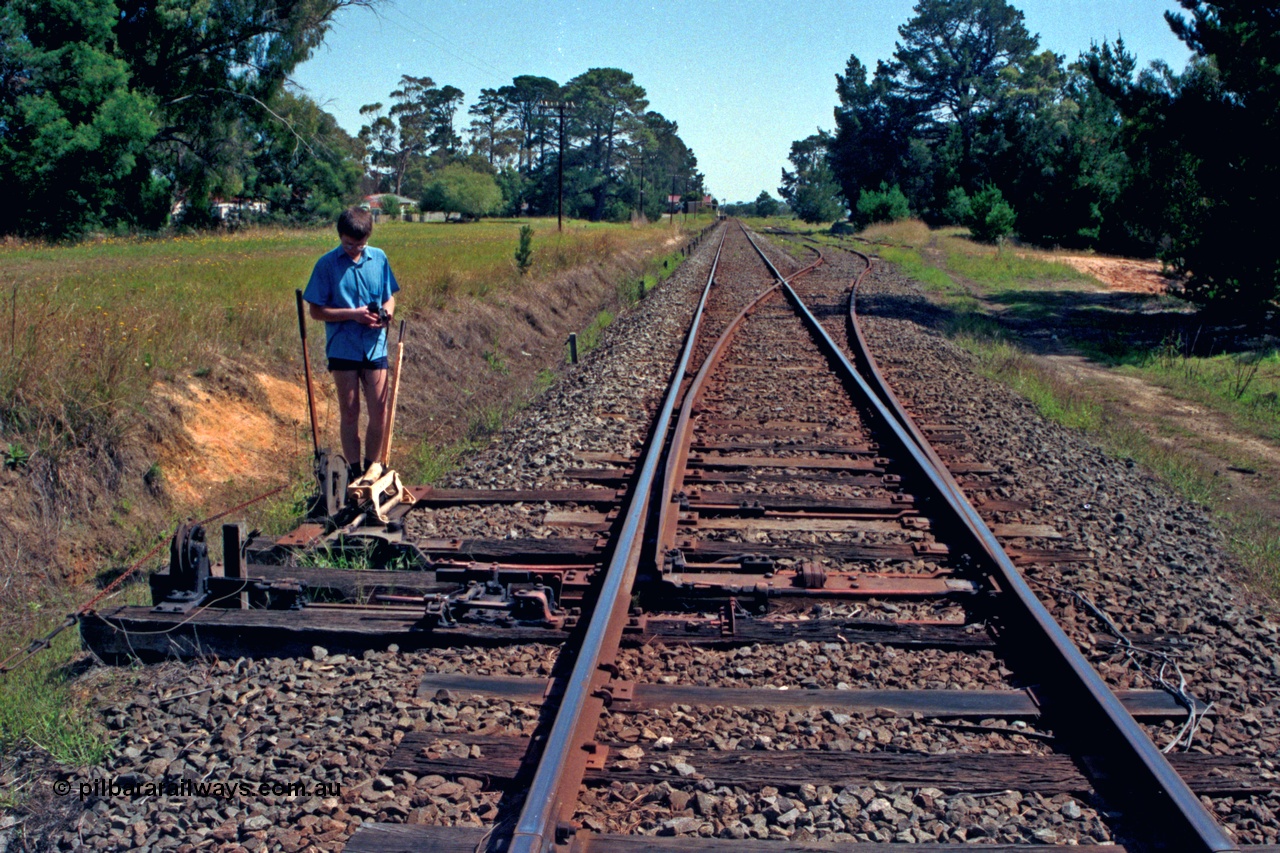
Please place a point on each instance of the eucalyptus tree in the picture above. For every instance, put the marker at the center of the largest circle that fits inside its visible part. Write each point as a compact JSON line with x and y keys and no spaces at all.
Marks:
{"x":491,"y":135}
{"x":418,"y":126}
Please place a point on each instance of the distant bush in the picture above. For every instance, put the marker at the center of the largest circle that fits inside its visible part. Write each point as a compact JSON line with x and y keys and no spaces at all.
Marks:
{"x":390,"y":206}
{"x":765,"y":204}
{"x":457,"y":189}
{"x":886,"y":204}
{"x":990,"y":216}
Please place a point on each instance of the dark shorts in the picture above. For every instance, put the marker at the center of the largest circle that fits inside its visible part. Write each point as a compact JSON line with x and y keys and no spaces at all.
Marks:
{"x":352,"y":364}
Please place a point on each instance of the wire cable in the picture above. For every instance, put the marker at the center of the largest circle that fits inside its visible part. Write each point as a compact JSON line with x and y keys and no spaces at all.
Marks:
{"x":111,"y":588}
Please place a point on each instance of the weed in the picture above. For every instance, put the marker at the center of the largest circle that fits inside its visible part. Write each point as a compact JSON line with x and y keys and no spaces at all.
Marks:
{"x":545,"y":379}
{"x":486,"y":422}
{"x":1243,"y":367}
{"x":35,"y":707}
{"x":497,"y":363}
{"x":590,"y":337}
{"x":347,"y":559}
{"x":432,"y":462}
{"x":16,"y":457}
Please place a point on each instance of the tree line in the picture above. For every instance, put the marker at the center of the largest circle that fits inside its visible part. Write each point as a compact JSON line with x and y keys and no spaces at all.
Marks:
{"x":114,"y":114}
{"x":594,"y":133}
{"x":970,"y":122}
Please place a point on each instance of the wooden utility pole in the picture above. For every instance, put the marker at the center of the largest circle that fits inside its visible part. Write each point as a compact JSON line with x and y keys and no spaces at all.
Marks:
{"x":564,"y":108}
{"x":671,"y":199}
{"x":642,"y":182}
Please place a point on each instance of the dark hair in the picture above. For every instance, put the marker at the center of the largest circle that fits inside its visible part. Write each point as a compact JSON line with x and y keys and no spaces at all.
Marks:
{"x":355,"y":222}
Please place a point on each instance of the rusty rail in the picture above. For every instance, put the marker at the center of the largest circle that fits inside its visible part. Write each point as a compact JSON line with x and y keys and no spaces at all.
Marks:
{"x":554,"y":788}
{"x":1094,"y":710}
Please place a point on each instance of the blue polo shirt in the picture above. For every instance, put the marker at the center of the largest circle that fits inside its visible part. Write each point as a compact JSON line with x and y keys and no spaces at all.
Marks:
{"x":336,"y":282}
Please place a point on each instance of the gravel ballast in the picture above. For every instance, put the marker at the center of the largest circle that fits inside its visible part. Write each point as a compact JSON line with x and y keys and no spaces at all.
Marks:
{"x":1159,"y":572}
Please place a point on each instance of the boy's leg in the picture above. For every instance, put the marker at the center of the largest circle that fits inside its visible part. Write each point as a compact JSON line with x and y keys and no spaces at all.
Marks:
{"x":376,"y":389}
{"x":348,"y":385}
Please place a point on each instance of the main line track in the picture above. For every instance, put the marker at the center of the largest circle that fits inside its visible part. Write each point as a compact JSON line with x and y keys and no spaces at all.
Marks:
{"x":783,"y":501}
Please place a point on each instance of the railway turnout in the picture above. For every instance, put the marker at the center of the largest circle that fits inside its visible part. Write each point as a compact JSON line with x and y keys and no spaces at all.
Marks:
{"x":783,"y":516}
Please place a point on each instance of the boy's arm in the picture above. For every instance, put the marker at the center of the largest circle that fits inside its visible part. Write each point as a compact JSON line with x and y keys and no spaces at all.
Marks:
{"x":360,"y":315}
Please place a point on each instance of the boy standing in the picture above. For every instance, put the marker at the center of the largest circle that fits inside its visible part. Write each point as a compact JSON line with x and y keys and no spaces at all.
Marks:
{"x":351,"y":289}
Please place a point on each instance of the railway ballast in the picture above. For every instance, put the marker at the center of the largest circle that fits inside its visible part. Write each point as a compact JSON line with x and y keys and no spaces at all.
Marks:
{"x":812,"y":640}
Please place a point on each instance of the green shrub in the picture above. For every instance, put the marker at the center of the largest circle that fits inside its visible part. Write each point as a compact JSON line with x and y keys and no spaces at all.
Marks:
{"x":959,"y":209}
{"x":886,"y":204}
{"x":457,"y":189}
{"x":990,"y":217}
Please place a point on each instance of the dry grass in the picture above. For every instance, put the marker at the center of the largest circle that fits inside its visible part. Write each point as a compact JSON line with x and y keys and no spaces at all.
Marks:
{"x":92,"y":326}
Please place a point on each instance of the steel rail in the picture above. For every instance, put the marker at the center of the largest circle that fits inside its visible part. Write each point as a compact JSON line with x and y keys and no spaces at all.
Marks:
{"x":554,"y":786}
{"x":678,"y":457}
{"x":1185,"y":824}
{"x":1173,"y":797}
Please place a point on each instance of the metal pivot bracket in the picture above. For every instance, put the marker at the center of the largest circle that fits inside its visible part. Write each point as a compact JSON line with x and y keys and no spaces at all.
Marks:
{"x":188,"y":578}
{"x":331,"y":483}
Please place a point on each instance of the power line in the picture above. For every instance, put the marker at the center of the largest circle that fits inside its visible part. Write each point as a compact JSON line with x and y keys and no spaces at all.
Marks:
{"x":443,"y":44}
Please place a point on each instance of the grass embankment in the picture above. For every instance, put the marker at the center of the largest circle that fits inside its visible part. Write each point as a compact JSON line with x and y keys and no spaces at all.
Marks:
{"x":93,"y":330}
{"x":996,"y":295}
{"x":94,"y":325}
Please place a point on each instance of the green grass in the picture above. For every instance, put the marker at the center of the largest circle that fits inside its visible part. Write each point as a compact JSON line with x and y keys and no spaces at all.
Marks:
{"x":92,"y":326}
{"x":1243,"y":388}
{"x":999,"y":269}
{"x":589,"y":339}
{"x":432,"y":462}
{"x":1252,"y":537}
{"x":40,"y":705}
{"x":34,"y":708}
{"x":935,"y":280}
{"x":1001,"y":360}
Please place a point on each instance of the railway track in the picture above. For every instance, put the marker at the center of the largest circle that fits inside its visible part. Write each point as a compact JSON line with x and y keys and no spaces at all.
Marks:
{"x":784,"y":525}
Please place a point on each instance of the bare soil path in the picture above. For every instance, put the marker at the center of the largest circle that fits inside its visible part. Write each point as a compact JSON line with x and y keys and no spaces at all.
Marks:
{"x":1245,"y":467}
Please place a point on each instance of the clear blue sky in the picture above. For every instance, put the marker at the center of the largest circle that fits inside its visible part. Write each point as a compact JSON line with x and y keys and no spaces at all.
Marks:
{"x":742,"y":78}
